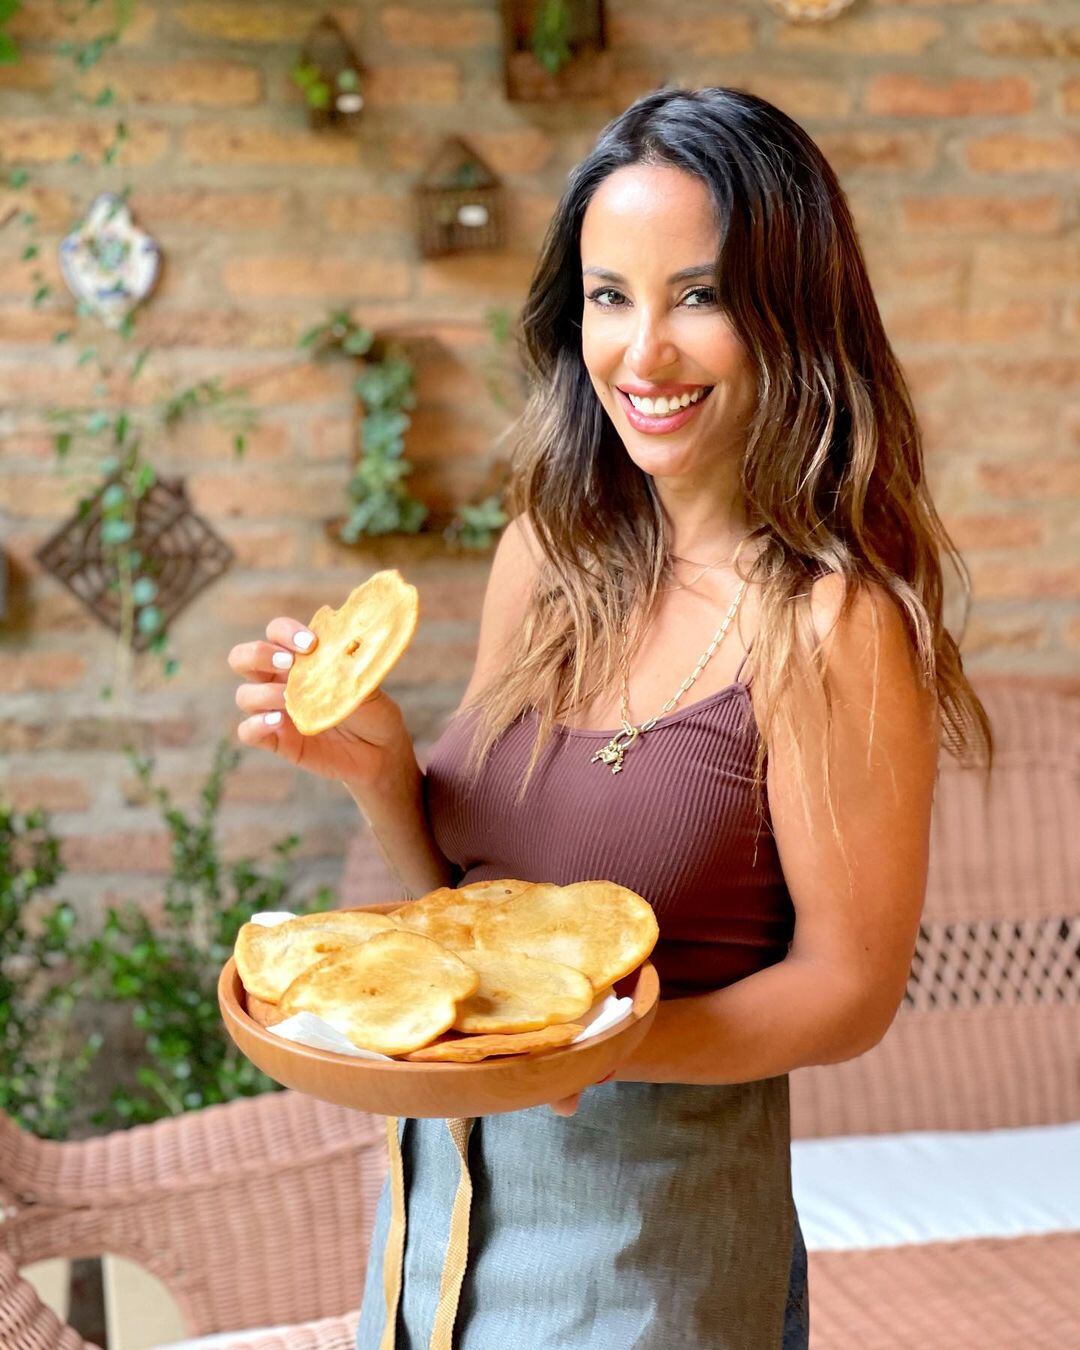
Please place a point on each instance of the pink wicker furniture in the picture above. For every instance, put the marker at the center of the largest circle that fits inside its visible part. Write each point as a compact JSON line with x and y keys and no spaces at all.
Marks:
{"x":217,"y":1203}
{"x":988,"y":1037}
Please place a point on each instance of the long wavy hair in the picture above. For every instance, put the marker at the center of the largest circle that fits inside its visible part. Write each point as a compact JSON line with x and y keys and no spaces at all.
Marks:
{"x":832,"y":472}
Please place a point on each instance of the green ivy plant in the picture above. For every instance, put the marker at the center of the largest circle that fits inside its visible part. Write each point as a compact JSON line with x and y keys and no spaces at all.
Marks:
{"x":475,"y":525}
{"x":551,"y":35}
{"x":166,"y":971}
{"x":43,"y":1058}
{"x":380,"y":500}
{"x":116,"y":436}
{"x":9,"y":51}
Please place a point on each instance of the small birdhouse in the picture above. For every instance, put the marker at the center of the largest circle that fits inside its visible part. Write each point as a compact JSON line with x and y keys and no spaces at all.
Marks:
{"x":459,"y":203}
{"x":554,"y":50}
{"x":810,"y":11}
{"x":328,"y":75}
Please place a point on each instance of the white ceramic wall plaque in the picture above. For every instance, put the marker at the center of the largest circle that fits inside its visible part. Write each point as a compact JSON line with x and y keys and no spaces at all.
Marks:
{"x":108,"y":262}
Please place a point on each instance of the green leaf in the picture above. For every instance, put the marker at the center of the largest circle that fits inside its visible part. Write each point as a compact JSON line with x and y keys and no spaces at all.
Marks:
{"x":148,"y":620}
{"x":116,"y":531}
{"x":143,"y":590}
{"x":18,"y":178}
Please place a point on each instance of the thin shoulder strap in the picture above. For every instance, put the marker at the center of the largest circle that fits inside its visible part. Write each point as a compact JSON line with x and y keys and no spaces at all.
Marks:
{"x":742,"y":664}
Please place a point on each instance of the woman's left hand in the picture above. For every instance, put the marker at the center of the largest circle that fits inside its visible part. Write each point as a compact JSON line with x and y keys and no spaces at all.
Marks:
{"x":566,"y":1106}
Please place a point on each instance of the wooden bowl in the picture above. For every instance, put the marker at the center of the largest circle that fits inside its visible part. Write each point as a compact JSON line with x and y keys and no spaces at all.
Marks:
{"x":444,"y":1091}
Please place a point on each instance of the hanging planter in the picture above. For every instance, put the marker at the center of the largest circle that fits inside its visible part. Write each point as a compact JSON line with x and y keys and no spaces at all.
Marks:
{"x":328,"y":75}
{"x":459,"y":203}
{"x":554,"y":50}
{"x":174,"y":551}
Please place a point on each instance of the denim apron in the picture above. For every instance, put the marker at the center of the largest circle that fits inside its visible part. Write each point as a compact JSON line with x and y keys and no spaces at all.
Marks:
{"x":657,"y":1217}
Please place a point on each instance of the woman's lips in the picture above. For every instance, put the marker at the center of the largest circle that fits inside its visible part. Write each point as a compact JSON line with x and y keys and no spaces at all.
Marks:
{"x":659,"y":425}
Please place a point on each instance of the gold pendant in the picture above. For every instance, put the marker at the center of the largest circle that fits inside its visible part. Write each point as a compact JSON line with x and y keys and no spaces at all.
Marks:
{"x":613,"y":752}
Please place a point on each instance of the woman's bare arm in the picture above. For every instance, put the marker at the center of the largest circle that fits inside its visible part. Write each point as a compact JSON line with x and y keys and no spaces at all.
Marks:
{"x":835,"y":994}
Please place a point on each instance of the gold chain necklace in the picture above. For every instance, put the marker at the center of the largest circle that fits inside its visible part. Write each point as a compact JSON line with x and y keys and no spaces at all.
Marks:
{"x":616,"y":748}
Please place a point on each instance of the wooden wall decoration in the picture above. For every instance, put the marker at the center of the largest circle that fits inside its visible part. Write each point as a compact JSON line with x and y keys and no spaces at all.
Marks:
{"x":459,"y":203}
{"x":329,"y":72}
{"x":179,"y":550}
{"x":569,"y":36}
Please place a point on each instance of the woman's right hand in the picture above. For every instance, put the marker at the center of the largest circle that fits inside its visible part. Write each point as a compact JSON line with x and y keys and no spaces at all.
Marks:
{"x":358,"y":752}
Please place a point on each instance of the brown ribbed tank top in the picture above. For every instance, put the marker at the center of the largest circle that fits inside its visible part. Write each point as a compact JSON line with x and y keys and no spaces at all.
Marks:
{"x":679,"y":825}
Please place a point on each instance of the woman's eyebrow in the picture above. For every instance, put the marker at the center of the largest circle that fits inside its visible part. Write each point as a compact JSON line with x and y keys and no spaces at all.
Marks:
{"x":705,"y":270}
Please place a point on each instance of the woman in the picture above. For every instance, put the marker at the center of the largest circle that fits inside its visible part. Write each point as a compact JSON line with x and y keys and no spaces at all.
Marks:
{"x":773,"y":805}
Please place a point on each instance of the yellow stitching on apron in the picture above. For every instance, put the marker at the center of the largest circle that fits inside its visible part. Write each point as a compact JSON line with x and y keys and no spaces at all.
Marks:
{"x":457,"y":1246}
{"x":394,"y":1252}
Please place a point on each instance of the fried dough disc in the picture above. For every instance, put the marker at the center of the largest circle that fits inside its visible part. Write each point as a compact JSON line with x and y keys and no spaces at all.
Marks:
{"x":393,"y":993}
{"x":469,"y":1049}
{"x":266,"y":1014}
{"x":521,"y":993}
{"x":446,"y":915}
{"x":597,"y":927}
{"x":358,"y":646}
{"x":268,"y":965}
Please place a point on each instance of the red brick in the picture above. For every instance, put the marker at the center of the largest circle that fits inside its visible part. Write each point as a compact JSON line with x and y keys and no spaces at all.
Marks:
{"x":952,"y":213}
{"x":333,"y":438}
{"x":522,"y":151}
{"x":1032,"y":479}
{"x":416,"y":85}
{"x":1024,"y":152}
{"x":252,"y":784}
{"x":95,"y":733}
{"x":255,"y":607}
{"x":262,"y":22}
{"x":951,"y":323}
{"x":224,"y":329}
{"x":217,"y":208}
{"x":1030,"y":38}
{"x":41,"y":496}
{"x":447,"y":27}
{"x":869,"y":149}
{"x":355,"y":212}
{"x":1033,"y":373}
{"x":1012,"y":633}
{"x":256,"y":840}
{"x":299,"y":275}
{"x":975,"y":428}
{"x":264,"y":548}
{"x":801,"y":96}
{"x":46,"y":792}
{"x":53,"y":208}
{"x":996,"y":580}
{"x":40,"y":140}
{"x":864,"y":35}
{"x":1030,"y":266}
{"x":120,"y":851}
{"x":702,"y":34}
{"x":267,"y":442}
{"x":983,"y":530}
{"x":914,"y":96}
{"x":475,"y":279}
{"x":203,"y":83}
{"x":233,"y":143}
{"x":31,"y":72}
{"x":315,"y":496}
{"x":28,"y":672}
{"x":298,"y":382}
{"x":44,"y":21}
{"x":1070,"y":95}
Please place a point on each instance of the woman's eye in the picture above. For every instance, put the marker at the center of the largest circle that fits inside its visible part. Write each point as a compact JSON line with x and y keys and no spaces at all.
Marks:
{"x":697,"y":290}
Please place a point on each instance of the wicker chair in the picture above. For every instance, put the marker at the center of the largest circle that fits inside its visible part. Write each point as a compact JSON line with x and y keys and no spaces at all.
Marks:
{"x":988,"y":1038}
{"x":218,"y":1202}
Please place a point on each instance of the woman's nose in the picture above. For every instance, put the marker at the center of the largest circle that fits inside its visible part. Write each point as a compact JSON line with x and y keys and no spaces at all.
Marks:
{"x":650,"y":350}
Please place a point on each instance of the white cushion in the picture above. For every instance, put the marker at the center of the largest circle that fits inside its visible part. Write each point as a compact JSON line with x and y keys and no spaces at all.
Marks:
{"x":888,"y":1190}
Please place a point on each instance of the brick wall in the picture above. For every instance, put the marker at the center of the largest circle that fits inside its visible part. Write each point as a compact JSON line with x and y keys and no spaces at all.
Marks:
{"x":954,"y":129}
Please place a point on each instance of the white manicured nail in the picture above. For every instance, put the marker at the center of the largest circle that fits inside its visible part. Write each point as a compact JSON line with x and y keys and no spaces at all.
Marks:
{"x":303,"y":639}
{"x":272,"y":718}
{"x":282,"y":660}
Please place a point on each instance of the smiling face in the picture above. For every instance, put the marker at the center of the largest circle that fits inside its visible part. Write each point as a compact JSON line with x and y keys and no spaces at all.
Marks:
{"x":651,"y":325}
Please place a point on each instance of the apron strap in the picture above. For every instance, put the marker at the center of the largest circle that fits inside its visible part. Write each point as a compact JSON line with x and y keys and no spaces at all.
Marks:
{"x":394,"y":1253}
{"x":457,"y":1247}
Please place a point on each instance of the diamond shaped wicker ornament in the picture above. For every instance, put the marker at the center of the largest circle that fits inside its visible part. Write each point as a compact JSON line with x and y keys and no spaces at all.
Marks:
{"x":180,"y":553}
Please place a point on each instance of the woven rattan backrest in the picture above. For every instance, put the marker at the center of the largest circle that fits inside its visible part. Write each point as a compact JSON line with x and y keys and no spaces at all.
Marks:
{"x":989,"y":1031}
